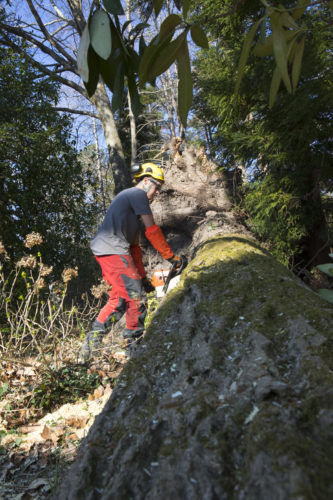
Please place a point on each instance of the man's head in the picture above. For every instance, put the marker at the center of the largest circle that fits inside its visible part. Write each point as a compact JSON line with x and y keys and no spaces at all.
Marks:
{"x":150,"y":178}
{"x":150,"y":186}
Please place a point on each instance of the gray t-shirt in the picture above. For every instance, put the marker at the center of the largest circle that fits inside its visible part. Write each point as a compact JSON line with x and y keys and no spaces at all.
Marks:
{"x":121,"y":226}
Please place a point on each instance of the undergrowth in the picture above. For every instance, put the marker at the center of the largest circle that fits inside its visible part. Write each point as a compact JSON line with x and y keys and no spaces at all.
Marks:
{"x":40,"y":336}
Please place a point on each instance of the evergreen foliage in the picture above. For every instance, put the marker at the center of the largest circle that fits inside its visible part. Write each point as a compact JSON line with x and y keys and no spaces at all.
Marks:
{"x":276,"y":215}
{"x":42,"y":187}
{"x":288,"y":149}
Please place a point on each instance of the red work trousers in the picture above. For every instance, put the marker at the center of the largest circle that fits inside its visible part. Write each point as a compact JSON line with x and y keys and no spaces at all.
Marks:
{"x":126,"y":294}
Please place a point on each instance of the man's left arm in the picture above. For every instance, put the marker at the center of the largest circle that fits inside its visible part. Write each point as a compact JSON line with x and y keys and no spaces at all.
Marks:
{"x":156,"y":237}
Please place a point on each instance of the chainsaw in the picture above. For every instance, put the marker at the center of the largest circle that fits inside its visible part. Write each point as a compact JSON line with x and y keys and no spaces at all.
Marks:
{"x":165,"y":280}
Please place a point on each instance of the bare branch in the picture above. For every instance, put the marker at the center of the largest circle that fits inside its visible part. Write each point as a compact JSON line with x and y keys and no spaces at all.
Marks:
{"x":78,"y":112}
{"x":60,"y":28}
{"x":27,"y":36}
{"x":69,"y":83}
{"x":57,"y":10}
{"x":76,"y":10}
{"x":51,"y":40}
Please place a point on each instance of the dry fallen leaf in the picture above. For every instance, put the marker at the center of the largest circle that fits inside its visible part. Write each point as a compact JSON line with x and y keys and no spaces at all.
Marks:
{"x":72,"y":437}
{"x":46,"y":432}
{"x":77,"y":422}
{"x":98,"y":393}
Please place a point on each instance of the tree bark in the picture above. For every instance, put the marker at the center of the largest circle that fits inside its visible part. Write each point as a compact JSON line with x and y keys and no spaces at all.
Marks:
{"x":133,"y":130}
{"x":99,"y":167}
{"x":121,"y":175}
{"x":229,"y":396}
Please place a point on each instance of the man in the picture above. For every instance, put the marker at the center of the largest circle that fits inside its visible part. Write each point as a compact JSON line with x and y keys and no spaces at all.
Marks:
{"x":116,"y":248}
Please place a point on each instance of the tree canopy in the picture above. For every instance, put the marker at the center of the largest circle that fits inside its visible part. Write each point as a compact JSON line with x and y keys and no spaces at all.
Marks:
{"x":290,"y":142}
{"x":42,"y":187}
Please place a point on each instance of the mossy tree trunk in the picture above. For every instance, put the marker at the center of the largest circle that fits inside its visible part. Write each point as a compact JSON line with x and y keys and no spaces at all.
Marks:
{"x":230,"y":395}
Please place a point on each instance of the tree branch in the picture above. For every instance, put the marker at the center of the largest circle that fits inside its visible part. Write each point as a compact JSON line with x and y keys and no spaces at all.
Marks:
{"x":76,"y":10}
{"x":77,"y":112}
{"x":48,"y":36}
{"x":29,"y":38}
{"x":69,"y":83}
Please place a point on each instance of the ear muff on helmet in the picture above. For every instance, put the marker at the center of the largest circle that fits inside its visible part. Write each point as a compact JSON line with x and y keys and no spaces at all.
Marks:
{"x":148,"y":170}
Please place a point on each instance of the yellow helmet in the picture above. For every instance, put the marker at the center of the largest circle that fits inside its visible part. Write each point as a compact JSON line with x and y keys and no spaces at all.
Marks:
{"x":150,"y":170}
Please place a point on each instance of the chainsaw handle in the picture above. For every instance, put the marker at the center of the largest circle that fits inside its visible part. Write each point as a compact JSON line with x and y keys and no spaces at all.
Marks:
{"x":175,"y":272}
{"x":167,"y":281}
{"x":183,"y":264}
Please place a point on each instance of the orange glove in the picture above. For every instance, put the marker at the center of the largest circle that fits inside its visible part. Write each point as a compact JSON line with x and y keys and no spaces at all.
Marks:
{"x":137,"y":257}
{"x":155,"y":236}
{"x":178,"y":261}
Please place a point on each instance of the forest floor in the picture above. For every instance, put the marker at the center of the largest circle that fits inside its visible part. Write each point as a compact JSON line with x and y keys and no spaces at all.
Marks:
{"x":44,"y":416}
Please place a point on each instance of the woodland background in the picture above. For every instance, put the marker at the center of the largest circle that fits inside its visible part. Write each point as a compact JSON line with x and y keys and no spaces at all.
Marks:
{"x":65,"y":150}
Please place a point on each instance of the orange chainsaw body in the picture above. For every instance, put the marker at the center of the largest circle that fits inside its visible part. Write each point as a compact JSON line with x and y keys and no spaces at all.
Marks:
{"x":159,"y":277}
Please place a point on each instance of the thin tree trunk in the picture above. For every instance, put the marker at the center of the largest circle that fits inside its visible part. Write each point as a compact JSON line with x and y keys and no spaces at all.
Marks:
{"x":132,"y":130}
{"x":121,"y":175}
{"x":130,"y":111}
{"x":165,"y":85}
{"x":99,"y":166}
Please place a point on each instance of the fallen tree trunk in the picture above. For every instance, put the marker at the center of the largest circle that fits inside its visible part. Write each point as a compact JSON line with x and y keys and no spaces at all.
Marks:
{"x":230,"y":396}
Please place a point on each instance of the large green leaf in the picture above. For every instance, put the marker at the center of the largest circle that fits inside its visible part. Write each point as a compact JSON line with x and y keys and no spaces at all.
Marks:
{"x":117,"y":39}
{"x":138,"y":28}
{"x":157,"y":44}
{"x":134,"y":95}
{"x":118,"y":88}
{"x":133,"y":60}
{"x":158,"y":4}
{"x":142,"y":45}
{"x":277,"y":77}
{"x":114,"y":7}
{"x":300,"y":8}
{"x":165,"y":57}
{"x":297,"y":64}
{"x":326,"y":268}
{"x":245,"y":52}
{"x":199,"y":36}
{"x":280,"y":48}
{"x":275,"y":85}
{"x":185,"y":84}
{"x":94,"y":69}
{"x":125,"y":25}
{"x":108,"y":70}
{"x":100,"y":34}
{"x":82,"y":55}
{"x":326,"y":294}
{"x":288,"y":21}
{"x":169,"y":25}
{"x":263,"y":49}
{"x":150,"y":55}
{"x":186,"y":6}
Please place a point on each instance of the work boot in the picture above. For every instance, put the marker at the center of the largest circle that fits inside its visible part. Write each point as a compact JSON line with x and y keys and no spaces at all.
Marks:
{"x":92,"y":342}
{"x":134,"y":338}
